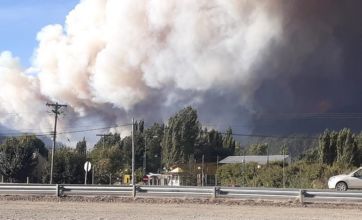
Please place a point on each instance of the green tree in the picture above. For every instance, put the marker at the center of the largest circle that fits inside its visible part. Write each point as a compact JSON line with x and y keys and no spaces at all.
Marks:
{"x":323,"y":150}
{"x":108,"y":140}
{"x":328,"y":147}
{"x":108,"y":165}
{"x":180,"y":137}
{"x":228,"y":141}
{"x":258,"y":149}
{"x":230,"y":174}
{"x":20,"y":155}
{"x":211,"y":144}
{"x":109,"y":156}
{"x":171,"y":149}
{"x":359,"y":149}
{"x":154,"y":136}
{"x":68,"y":166}
{"x":126,"y":149}
{"x":81,"y":147}
{"x":346,"y":147}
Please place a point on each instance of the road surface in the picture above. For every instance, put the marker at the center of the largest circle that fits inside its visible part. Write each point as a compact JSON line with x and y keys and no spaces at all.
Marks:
{"x":132,"y":211}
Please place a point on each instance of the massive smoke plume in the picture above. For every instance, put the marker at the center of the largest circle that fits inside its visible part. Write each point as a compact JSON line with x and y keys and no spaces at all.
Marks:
{"x":238,"y":62}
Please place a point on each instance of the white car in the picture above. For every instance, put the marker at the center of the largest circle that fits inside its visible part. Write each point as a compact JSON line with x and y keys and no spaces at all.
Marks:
{"x":343,"y":182}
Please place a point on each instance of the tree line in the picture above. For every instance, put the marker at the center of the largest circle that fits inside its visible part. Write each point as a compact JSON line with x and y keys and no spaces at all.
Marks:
{"x":182,"y":140}
{"x":179,"y":141}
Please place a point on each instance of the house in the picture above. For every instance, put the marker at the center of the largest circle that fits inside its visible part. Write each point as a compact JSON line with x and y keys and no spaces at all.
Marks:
{"x":171,"y":178}
{"x":200,"y":174}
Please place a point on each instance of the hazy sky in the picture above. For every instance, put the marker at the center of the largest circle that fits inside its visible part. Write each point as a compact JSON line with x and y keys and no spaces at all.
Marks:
{"x":21,"y":20}
{"x":258,"y":66}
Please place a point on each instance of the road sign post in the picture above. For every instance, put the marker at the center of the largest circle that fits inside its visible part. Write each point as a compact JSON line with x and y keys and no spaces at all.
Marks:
{"x":87,"y":168}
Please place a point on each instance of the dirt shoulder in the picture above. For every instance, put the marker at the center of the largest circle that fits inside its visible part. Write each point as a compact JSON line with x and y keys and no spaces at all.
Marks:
{"x":183,"y":200}
{"x":140,"y":209}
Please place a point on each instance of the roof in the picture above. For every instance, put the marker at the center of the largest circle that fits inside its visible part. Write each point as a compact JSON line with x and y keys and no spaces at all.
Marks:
{"x":264,"y":159}
{"x":177,"y":170}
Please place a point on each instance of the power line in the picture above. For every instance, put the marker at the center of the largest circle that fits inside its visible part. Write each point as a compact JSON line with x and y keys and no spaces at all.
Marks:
{"x":355,"y":115}
{"x":65,"y":132}
{"x":272,"y":136}
{"x":15,"y":113}
{"x":129,"y":124}
{"x":29,"y":130}
{"x":93,"y":129}
{"x":24,"y":130}
{"x":26,"y":134}
{"x":335,"y":115}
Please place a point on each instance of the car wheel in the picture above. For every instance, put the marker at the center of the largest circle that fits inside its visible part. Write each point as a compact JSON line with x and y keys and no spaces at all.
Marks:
{"x":341,"y":186}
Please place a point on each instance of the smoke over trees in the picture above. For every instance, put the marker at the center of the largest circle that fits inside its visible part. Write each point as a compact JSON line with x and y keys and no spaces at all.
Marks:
{"x":182,"y":142}
{"x":258,"y":66}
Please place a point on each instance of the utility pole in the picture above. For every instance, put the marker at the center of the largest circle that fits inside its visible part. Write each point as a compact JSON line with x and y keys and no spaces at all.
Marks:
{"x":93,"y":174}
{"x":55,"y":109}
{"x":133,"y":162}
{"x":104,"y":137}
{"x":202,"y":172}
{"x":284,"y":166}
{"x":217,"y":167}
{"x":144,"y":157}
{"x":244,"y":165}
{"x":267,"y":152}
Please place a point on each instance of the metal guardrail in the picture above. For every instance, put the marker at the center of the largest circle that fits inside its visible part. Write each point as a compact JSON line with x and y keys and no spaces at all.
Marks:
{"x":32,"y":189}
{"x":259,"y":192}
{"x":65,"y":190}
{"x":184,"y":191}
{"x":334,"y":195}
{"x":176,"y":192}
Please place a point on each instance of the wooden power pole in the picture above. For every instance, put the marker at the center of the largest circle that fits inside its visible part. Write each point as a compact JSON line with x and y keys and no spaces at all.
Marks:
{"x":133,"y":163}
{"x":103,"y":136}
{"x":56,"y":110}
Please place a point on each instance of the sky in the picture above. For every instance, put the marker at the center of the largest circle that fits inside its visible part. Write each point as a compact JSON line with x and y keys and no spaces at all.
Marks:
{"x":21,"y":20}
{"x":260,"y":67}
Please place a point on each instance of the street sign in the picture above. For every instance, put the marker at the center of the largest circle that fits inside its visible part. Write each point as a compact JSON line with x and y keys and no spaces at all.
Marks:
{"x":145,"y":178}
{"x":87,"y":166}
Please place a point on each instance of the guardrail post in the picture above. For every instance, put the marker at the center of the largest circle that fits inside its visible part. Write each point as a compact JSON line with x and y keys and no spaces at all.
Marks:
{"x":301,"y":196}
{"x":134,"y":191}
{"x":60,"y":190}
{"x":57,"y":190}
{"x":214,"y":192}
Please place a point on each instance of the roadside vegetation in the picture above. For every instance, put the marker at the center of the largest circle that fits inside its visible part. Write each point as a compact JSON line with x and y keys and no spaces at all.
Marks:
{"x":183,"y":140}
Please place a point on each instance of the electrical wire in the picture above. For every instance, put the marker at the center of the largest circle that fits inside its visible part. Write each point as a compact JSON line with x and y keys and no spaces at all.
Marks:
{"x":272,"y":136}
{"x":64,"y":132}
{"x":303,"y":115}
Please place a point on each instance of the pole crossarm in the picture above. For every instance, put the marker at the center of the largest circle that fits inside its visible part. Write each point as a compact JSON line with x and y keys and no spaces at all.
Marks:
{"x":104,"y":137}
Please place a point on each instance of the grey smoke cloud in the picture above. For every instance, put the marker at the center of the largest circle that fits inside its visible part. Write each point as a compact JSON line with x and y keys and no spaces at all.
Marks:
{"x":113,"y":59}
{"x":232,"y":60}
{"x":317,"y":69}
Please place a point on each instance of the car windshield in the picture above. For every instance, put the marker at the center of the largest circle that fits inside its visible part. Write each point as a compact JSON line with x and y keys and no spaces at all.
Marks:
{"x":358,"y":171}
